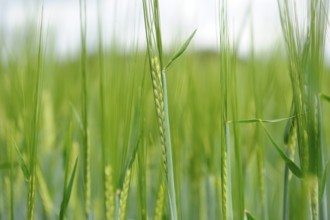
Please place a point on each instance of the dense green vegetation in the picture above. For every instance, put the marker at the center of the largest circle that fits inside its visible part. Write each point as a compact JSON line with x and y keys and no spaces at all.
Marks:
{"x":117,"y":134}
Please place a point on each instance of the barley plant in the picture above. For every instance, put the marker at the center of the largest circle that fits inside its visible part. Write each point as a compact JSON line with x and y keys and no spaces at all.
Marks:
{"x":132,"y":125}
{"x":33,"y":137}
{"x":305,"y":45}
{"x":158,"y":77}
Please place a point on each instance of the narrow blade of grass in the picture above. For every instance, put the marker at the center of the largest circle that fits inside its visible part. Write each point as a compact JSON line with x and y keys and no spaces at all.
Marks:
{"x":181,"y":49}
{"x":133,"y":144}
{"x":84,"y":108}
{"x":291,"y":165}
{"x":34,"y":127}
{"x":67,"y":192}
{"x":156,"y":20}
{"x":254,"y":120}
{"x":11,"y":174}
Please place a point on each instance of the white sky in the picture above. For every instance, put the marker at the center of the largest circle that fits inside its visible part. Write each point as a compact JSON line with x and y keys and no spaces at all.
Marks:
{"x":124,"y":18}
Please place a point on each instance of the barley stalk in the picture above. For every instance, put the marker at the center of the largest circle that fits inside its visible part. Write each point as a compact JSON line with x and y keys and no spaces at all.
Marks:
{"x":225,"y":82}
{"x":87,"y":178}
{"x":11,"y":173}
{"x":305,"y":47}
{"x":84,"y":107}
{"x":107,"y":179}
{"x":34,"y":129}
{"x":31,"y":197}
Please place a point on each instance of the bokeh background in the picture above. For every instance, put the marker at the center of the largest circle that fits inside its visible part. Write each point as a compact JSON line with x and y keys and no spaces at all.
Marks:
{"x":262,"y":85}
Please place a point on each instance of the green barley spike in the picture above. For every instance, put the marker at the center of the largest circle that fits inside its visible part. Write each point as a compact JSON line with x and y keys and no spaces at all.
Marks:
{"x":160,"y":204}
{"x":124,"y":196}
{"x":109,"y":194}
{"x":159,"y":101}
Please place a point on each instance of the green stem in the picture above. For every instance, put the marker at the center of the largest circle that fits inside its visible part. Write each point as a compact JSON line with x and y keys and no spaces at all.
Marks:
{"x":323,"y":201}
{"x":84,"y":108}
{"x":11,"y":183}
{"x":229,"y":191}
{"x":286,"y":194}
{"x":102,"y":115}
{"x":170,"y":170}
{"x":35,"y":123}
{"x":237,"y":150}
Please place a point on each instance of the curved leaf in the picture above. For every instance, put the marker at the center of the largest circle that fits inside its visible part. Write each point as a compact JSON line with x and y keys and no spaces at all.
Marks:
{"x":291,"y":165}
{"x":67,"y":192}
{"x":181,"y":50}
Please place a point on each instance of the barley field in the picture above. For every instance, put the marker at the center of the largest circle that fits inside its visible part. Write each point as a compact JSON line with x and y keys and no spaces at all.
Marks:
{"x":158,"y":132}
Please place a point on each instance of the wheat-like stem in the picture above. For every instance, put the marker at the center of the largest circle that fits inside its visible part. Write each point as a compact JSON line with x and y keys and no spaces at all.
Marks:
{"x":107,"y":180}
{"x":87,"y":178}
{"x":261,"y":181}
{"x":84,"y":107}
{"x":35,"y":123}
{"x":225,"y":82}
{"x":31,"y":195}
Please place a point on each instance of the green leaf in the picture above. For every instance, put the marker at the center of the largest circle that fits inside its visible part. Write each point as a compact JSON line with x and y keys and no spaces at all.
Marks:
{"x":249,"y":216}
{"x":291,"y":165}
{"x":325,"y":97}
{"x":67,"y":192}
{"x":323,"y":181}
{"x":181,"y":50}
{"x":255,"y":120}
{"x":158,"y":31}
